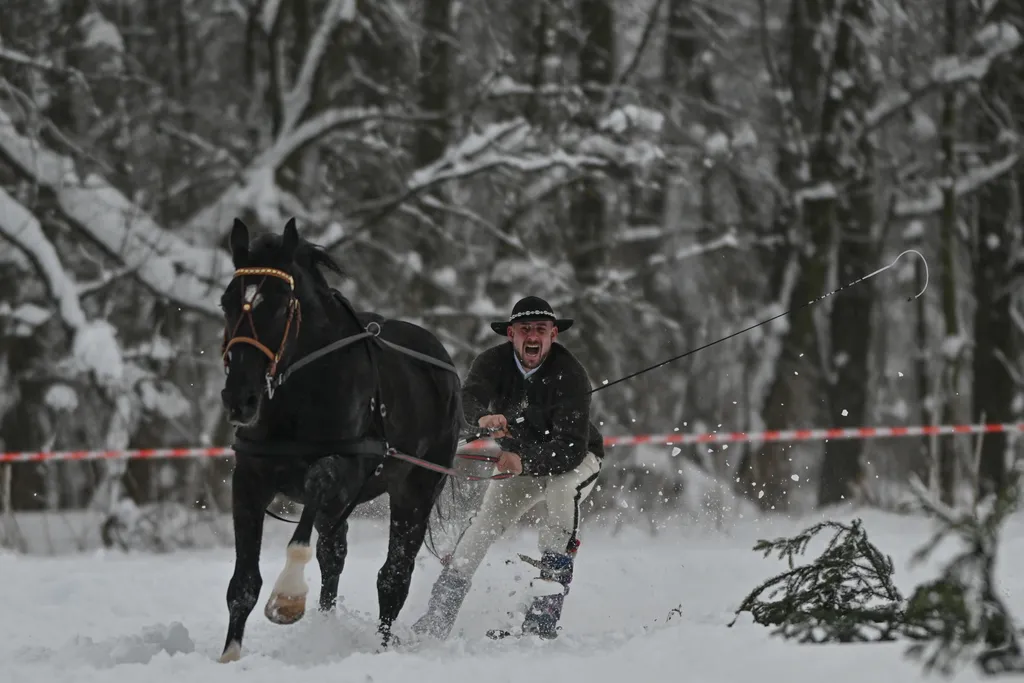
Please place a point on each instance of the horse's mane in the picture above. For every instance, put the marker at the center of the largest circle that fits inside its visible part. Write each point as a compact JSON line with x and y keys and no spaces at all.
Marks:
{"x":310,"y":257}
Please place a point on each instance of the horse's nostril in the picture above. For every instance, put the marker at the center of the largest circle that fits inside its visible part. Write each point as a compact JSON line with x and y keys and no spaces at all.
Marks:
{"x":250,"y":401}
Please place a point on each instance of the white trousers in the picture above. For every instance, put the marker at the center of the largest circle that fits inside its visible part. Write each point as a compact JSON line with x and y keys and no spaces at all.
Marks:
{"x":506,"y":500}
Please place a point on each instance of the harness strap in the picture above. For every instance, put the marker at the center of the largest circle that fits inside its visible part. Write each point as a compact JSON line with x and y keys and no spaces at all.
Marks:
{"x":348,"y":341}
{"x":417,"y":355}
{"x":319,"y":353}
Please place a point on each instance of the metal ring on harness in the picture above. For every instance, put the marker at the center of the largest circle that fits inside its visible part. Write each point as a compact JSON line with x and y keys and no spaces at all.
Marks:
{"x":373,"y":323}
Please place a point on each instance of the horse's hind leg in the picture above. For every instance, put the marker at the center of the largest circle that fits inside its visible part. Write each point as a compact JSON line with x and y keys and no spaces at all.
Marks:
{"x":250,"y":495}
{"x":287,"y":602}
{"x":410,"y":512}
{"x":331,"y":551}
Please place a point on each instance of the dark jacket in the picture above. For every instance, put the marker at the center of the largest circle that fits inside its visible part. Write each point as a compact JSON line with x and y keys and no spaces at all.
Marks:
{"x":555,"y":400}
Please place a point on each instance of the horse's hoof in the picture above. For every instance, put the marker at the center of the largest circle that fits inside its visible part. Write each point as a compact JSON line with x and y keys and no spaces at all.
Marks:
{"x":388,"y":639}
{"x":285,"y":609}
{"x":232,"y":653}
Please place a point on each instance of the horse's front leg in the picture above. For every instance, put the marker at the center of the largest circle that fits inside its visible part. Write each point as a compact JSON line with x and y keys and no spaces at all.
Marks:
{"x":251,"y":493}
{"x":287,"y":602}
{"x":410,"y":511}
{"x":326,"y":493}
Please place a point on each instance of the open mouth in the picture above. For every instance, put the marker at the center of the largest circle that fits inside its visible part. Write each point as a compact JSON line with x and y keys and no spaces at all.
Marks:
{"x":531,"y":351}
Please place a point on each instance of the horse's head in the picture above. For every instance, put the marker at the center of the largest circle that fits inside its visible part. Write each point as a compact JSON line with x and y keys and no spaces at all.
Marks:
{"x":262,"y":318}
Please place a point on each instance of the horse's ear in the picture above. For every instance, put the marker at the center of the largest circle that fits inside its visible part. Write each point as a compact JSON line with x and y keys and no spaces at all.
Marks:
{"x":239,"y":243}
{"x":290,"y":239}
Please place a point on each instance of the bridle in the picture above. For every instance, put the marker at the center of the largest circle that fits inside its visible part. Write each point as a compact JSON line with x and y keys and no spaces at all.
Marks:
{"x":294,"y":313}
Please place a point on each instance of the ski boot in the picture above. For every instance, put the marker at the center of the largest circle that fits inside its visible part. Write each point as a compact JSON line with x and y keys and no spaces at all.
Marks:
{"x":446,"y":599}
{"x":549,"y":590}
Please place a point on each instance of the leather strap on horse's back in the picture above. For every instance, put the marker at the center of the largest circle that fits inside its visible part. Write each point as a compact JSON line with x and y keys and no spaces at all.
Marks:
{"x":372,"y":331}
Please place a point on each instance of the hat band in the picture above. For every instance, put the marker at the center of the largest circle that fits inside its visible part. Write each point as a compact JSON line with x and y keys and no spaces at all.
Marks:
{"x":522,"y":313}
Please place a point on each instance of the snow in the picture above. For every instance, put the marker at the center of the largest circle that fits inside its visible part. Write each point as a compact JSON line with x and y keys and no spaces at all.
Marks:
{"x":61,"y":397}
{"x":914,"y":230}
{"x":629,"y":116}
{"x":30,"y":315}
{"x":99,"y":32}
{"x":163,"y":398}
{"x":95,"y":350}
{"x":716,"y":144}
{"x":659,"y":605}
{"x":953,"y":346}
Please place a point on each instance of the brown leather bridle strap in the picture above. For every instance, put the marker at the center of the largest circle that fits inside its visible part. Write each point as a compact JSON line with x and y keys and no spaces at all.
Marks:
{"x":294,"y":313}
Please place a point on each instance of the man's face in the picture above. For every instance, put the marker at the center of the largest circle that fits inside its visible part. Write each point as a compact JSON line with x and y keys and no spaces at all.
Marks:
{"x":532,"y":341}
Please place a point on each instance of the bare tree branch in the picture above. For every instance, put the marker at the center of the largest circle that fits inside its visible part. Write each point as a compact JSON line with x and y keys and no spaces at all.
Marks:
{"x":967,"y":184}
{"x":944,"y":73}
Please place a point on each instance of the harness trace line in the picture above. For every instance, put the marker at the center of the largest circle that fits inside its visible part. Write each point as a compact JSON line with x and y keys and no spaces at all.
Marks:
{"x":451,"y":471}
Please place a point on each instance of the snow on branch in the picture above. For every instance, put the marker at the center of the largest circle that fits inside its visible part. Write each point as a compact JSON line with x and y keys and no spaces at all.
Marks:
{"x":931,"y":202}
{"x":94,"y":347}
{"x":268,"y":15}
{"x":994,"y":41}
{"x":726,"y":241}
{"x":22,"y":228}
{"x":22,"y":59}
{"x":190,"y":276}
{"x":512,"y":145}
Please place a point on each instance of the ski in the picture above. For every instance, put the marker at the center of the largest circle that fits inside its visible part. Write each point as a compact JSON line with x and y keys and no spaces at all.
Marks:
{"x":502,"y":634}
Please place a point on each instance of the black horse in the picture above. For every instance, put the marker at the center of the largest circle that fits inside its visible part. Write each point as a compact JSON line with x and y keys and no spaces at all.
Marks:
{"x":318,"y":394}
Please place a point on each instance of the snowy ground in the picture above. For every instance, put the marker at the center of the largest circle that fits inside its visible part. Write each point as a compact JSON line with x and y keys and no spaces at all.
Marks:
{"x":109,"y":616}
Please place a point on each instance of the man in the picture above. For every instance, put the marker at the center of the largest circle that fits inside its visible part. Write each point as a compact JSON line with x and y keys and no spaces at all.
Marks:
{"x":555,"y":450}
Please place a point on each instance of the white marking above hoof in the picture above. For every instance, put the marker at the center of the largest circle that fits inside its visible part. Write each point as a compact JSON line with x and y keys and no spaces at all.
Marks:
{"x":232,"y":653}
{"x":287,"y":603}
{"x":292,"y":580}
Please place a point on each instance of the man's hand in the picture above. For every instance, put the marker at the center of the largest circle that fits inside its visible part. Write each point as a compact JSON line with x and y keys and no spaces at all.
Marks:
{"x":496,"y":424}
{"x":510,"y":462}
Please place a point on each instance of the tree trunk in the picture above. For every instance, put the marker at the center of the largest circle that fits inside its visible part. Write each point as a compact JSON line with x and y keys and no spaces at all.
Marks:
{"x":851,"y":316}
{"x":952,"y":359}
{"x":587,"y":210}
{"x":432,"y":137}
{"x":993,"y":385}
{"x":998,"y":239}
{"x":796,"y":387}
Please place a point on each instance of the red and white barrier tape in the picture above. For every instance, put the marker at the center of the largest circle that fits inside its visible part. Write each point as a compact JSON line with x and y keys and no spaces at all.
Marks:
{"x":655,"y":439}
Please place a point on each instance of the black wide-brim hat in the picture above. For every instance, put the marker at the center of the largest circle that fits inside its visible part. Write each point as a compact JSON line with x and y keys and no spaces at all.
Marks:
{"x":528,"y":309}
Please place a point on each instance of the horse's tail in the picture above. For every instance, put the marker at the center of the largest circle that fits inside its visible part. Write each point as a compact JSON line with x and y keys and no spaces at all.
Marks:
{"x":451,"y":497}
{"x":443,"y":525}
